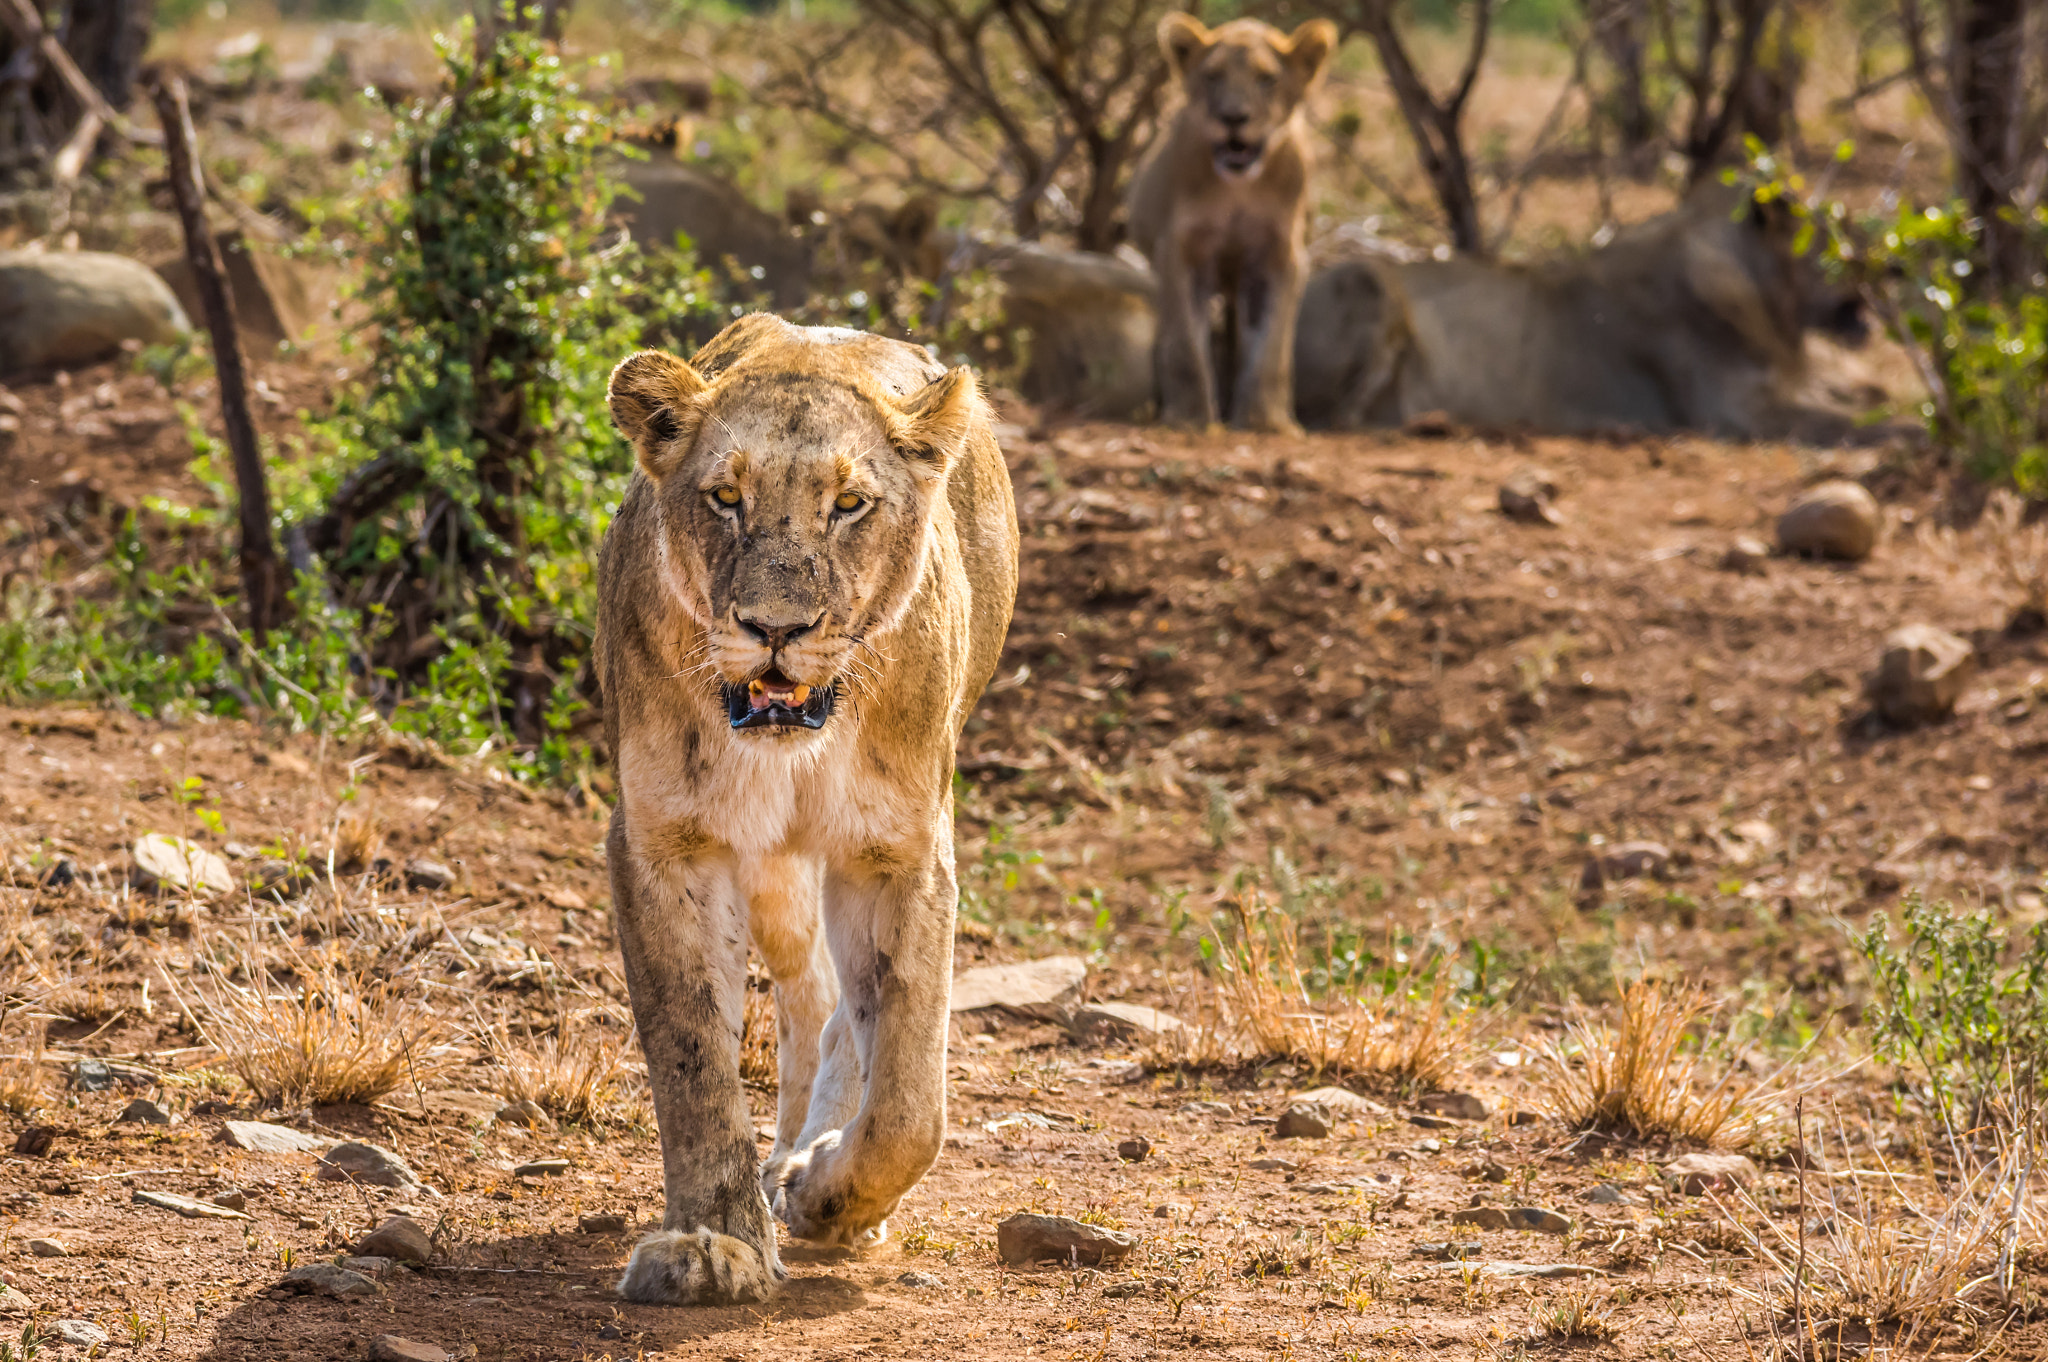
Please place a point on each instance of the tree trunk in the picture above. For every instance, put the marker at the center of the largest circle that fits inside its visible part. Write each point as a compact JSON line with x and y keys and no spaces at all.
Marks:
{"x":1621,"y":30}
{"x":1989,"y":57}
{"x":40,"y":113}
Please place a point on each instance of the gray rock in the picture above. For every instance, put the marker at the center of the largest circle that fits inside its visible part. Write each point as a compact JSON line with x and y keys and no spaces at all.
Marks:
{"x":13,"y":1302}
{"x":1273,"y":1165}
{"x":1122,"y":1021}
{"x":328,"y":1279}
{"x":63,"y":308}
{"x":602,"y":1224}
{"x":1480,"y":1218}
{"x":1746,"y":555}
{"x":185,"y":1206}
{"x":399,"y":1238}
{"x":392,"y":1348}
{"x":176,"y":863}
{"x":919,"y":1279}
{"x":542,"y":1168}
{"x":1607,"y":1194}
{"x":376,"y":1269}
{"x":1025,"y":1238}
{"x":142,"y":1111}
{"x":1341,"y":1102}
{"x":1304,"y":1121}
{"x":1452,"y":1252}
{"x":1921,"y":675}
{"x":236,"y":1200}
{"x":1462,"y":1105}
{"x":48,"y":1248}
{"x":1836,"y":519}
{"x":92,"y":1075}
{"x":1536,"y":1220}
{"x":79,"y":1333}
{"x":1526,"y":496}
{"x":356,"y":1161}
{"x":1205,"y":1109}
{"x":1043,"y":990}
{"x":1698,"y":1174}
{"x":524,"y":1113}
{"x":260,"y":1137}
{"x":422,"y":873}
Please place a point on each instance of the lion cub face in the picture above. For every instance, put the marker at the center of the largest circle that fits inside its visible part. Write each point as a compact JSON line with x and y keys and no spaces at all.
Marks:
{"x":794,"y":511}
{"x":1243,"y":81}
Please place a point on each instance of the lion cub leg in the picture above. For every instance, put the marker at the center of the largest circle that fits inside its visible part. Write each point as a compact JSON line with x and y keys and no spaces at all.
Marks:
{"x":1268,"y":302}
{"x":682,"y":933}
{"x":892,"y":937}
{"x":1182,"y":370}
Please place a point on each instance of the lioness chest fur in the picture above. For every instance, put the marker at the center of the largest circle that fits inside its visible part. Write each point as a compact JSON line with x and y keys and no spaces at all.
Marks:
{"x":802,"y":596}
{"x":1220,"y":209}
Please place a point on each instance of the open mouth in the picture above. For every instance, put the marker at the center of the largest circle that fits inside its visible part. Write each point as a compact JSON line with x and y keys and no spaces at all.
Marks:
{"x":772,"y":700}
{"x":1235,"y":157}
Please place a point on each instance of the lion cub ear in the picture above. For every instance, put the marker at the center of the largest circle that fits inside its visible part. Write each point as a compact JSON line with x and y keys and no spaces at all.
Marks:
{"x":1309,"y":48}
{"x":654,"y":398}
{"x":932,"y":425}
{"x":1182,"y":37}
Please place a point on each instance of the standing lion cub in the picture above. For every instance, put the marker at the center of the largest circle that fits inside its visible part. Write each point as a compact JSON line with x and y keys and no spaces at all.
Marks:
{"x":1220,"y":209}
{"x":802,"y":597}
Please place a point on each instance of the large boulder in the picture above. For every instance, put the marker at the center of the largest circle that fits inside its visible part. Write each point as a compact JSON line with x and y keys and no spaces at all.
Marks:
{"x":1834,"y":519}
{"x":74,"y":307}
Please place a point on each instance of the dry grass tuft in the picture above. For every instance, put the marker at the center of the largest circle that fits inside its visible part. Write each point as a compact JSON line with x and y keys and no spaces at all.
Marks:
{"x":2018,"y":549}
{"x":1264,"y":1010}
{"x":24,"y":1083}
{"x":576,"y":1072}
{"x":1587,"y":1315}
{"x":1639,"y":1076}
{"x":334,"y":1036}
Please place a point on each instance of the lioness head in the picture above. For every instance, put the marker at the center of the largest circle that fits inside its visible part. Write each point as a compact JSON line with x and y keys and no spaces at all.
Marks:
{"x":1243,"y":81}
{"x":795,"y":494}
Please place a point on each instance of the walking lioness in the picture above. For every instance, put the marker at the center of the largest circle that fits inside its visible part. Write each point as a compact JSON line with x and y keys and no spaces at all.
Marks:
{"x":800,"y":601}
{"x":1220,"y":208}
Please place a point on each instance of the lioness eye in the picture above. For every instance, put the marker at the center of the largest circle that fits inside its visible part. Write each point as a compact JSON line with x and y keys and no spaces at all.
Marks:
{"x":849,"y":502}
{"x":726,"y":496}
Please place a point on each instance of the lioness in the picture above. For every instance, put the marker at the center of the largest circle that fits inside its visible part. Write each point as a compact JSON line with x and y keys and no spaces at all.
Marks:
{"x":801,"y":599}
{"x":1220,"y":207}
{"x":1694,"y":320}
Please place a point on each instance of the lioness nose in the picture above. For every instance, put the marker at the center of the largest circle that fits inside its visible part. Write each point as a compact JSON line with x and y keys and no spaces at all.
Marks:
{"x":776,"y":635}
{"x":1232,"y":119}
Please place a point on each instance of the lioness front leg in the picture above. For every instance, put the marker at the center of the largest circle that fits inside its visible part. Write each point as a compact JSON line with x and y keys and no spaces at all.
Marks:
{"x":892,"y":936}
{"x":683,"y":933}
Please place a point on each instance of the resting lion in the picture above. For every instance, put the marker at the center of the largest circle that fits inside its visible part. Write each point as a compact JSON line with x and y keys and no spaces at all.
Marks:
{"x":1693,"y":320}
{"x":803,"y":594}
{"x":1220,"y":208}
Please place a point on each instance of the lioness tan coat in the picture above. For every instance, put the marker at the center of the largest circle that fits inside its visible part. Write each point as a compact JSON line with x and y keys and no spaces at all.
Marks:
{"x":801,"y":599}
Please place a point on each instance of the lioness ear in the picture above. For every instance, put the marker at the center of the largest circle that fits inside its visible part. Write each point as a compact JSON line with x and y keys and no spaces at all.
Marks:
{"x":1182,"y":37}
{"x":933,"y":423}
{"x":1309,"y":48}
{"x":654,"y":398}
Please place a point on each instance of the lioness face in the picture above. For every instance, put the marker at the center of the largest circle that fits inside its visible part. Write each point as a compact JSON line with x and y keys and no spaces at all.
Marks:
{"x":1244,"y":81}
{"x":794,"y":511}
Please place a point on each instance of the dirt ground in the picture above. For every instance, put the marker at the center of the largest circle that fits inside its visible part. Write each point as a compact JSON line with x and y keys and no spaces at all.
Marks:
{"x":1326,"y":661}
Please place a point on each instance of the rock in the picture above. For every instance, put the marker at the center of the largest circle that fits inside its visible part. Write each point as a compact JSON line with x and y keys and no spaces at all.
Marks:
{"x":366,"y":1163}
{"x":235,"y":1201}
{"x":1025,"y":1238}
{"x":79,"y":1333}
{"x":309,"y":1222}
{"x":65,"y":308}
{"x":327,"y":1279}
{"x":1607,"y":1194}
{"x":424,"y":874}
{"x":377,"y":1269}
{"x":542,"y":1168}
{"x":12,"y":1302}
{"x":1134,"y":1149}
{"x":92,"y":1075}
{"x":1746,"y":555}
{"x":1168,"y":1210}
{"x":1273,"y":1165}
{"x":919,"y":1280}
{"x":185,"y":1206}
{"x":48,"y":1248}
{"x":1122,"y":1021}
{"x":260,"y":1137}
{"x":1428,"y":1122}
{"x":175,"y":863}
{"x":1536,"y":1220}
{"x":1836,"y":519}
{"x":1487,"y":1169}
{"x":1043,"y":990}
{"x":35,"y":1142}
{"x":399,"y":1238}
{"x":392,"y":1348}
{"x":1557,"y":1270}
{"x":1453,"y":1252}
{"x":1304,"y":1121}
{"x":602,"y":1224}
{"x":1341,"y":1102}
{"x":524,"y":1113}
{"x":1923,"y":672}
{"x":1205,"y":1109}
{"x":274,"y":295}
{"x":1526,"y":496}
{"x":1480,"y":1218}
{"x":1634,"y":860}
{"x":1698,"y":1174}
{"x":142,"y":1111}
{"x":1123,"y":1291}
{"x":1462,"y":1105}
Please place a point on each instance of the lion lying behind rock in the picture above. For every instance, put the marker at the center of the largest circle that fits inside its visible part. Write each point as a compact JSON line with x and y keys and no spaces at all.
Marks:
{"x":1690,"y":321}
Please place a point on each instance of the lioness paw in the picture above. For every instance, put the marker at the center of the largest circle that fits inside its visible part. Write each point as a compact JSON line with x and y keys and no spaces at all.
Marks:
{"x":698,"y":1267}
{"x":819,"y":1205}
